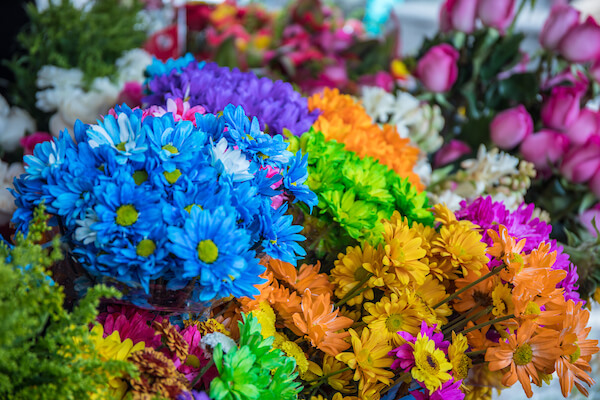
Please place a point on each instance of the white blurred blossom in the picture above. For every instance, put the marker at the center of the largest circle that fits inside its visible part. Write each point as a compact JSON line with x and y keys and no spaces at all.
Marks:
{"x":14,"y":123}
{"x":7,"y":201}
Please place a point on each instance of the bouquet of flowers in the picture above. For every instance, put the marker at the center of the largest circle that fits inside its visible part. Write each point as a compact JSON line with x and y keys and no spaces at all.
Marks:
{"x":183,"y":200}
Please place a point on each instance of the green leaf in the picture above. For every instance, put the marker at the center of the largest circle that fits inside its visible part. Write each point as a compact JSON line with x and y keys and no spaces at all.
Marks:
{"x":520,"y":88}
{"x":505,"y":55}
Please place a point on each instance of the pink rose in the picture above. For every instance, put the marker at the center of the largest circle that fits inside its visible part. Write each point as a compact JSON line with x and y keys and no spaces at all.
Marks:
{"x":458,"y":15}
{"x":496,"y":13}
{"x":437,"y":69}
{"x":590,"y":214}
{"x":579,"y":81}
{"x":595,"y":70}
{"x":586,"y":125}
{"x":450,"y":152}
{"x":581,"y":163}
{"x":562,"y":108}
{"x":510,"y":127}
{"x":581,"y":43}
{"x":544,"y":148}
{"x":562,"y":19}
{"x":29,"y":142}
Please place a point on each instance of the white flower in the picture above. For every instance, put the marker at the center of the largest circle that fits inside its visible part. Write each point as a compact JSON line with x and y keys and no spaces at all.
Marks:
{"x":231,"y":161}
{"x":377,"y":103}
{"x":7,"y":202}
{"x":423,"y":169}
{"x":85,"y":233}
{"x":52,"y":76}
{"x":132,"y":65}
{"x":447,"y":197}
{"x":213,"y":339}
{"x":14,"y":123}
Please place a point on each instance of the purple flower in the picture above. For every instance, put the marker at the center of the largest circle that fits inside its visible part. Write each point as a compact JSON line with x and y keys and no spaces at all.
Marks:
{"x":450,"y":390}
{"x":193,"y":395}
{"x":276,"y":104}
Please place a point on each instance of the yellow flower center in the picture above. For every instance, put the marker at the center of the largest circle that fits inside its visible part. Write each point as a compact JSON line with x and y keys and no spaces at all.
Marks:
{"x":394,"y":322}
{"x":428,"y":363}
{"x":127,"y":215}
{"x":360,"y":274}
{"x":532,"y":308}
{"x":463,"y":367}
{"x":576,"y":354}
{"x":121,"y":146}
{"x":189,"y":208}
{"x":172,"y":177}
{"x":145,"y":248}
{"x":208,"y":251}
{"x":170,"y":148}
{"x":140,"y":177}
{"x":364,"y":358}
{"x":523,"y":355}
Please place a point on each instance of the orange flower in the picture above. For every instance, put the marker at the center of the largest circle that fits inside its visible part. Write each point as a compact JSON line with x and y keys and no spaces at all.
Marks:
{"x":343,"y":119}
{"x":476,"y":298}
{"x":307,"y":278}
{"x":537,"y":278}
{"x":571,"y":367}
{"x":524,"y":355}
{"x":322,"y":323}
{"x":504,"y":243}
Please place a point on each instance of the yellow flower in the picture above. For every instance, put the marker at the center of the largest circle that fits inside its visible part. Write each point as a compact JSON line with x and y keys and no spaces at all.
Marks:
{"x":393,"y":314}
{"x":266,"y":318}
{"x":209,"y":326}
{"x":461,"y":245}
{"x":349,"y":271}
{"x":338,"y":381}
{"x":370,"y":360}
{"x":502,"y":300}
{"x":431,"y":366}
{"x":461,"y":363}
{"x":403,"y":252}
{"x":291,"y":349}
{"x":370,"y":390}
{"x":431,"y":292}
{"x":112,"y":348}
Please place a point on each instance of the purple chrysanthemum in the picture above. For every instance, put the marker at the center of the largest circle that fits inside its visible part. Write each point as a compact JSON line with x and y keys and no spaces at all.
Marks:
{"x":450,"y":390}
{"x":275,"y":103}
{"x":521,"y":225}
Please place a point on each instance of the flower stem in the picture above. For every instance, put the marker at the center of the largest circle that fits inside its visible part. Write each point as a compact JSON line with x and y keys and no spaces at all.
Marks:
{"x":354,"y":291}
{"x":484,"y":324}
{"x":472,"y":354}
{"x":511,"y":28}
{"x":464,"y":321}
{"x":202,"y":372}
{"x":469,"y":286}
{"x":329,"y":375}
{"x":400,"y":379}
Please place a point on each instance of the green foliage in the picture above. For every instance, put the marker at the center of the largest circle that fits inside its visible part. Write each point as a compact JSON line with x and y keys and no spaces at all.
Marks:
{"x":67,"y":37}
{"x":46,"y":351}
{"x":255,"y":370}
{"x":354,"y":196}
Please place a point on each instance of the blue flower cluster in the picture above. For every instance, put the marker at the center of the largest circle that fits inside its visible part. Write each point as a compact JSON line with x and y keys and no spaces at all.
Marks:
{"x":276,"y":104}
{"x":141,"y":198}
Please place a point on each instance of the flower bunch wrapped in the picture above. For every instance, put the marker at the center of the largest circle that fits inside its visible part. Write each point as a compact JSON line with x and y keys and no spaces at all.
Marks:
{"x":276,"y":104}
{"x":354,"y":194}
{"x":145,"y":198}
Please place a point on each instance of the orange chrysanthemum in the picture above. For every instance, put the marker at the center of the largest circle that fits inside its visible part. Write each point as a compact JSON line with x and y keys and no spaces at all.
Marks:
{"x":525,"y":355}
{"x":343,"y":119}
{"x":307,"y":278}
{"x":321,"y":323}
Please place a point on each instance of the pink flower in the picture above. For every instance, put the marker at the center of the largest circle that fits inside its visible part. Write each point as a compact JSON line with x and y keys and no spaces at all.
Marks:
{"x":579,"y":81}
{"x":450,"y":152}
{"x":510,"y":127}
{"x":593,"y":213}
{"x":458,"y":15}
{"x":562,"y":19}
{"x":544,"y":148}
{"x":437,"y":69}
{"x":131,"y":94}
{"x":496,"y":13}
{"x":562,"y":108}
{"x":190,"y":369}
{"x":586,"y":125}
{"x":581,"y":163}
{"x":581,"y":43}
{"x":381,"y":79}
{"x":180,"y":109}
{"x":595,"y":70}
{"x":131,"y":323}
{"x":29,"y":142}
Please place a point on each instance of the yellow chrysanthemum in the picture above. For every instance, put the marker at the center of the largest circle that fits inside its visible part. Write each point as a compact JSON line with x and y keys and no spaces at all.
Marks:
{"x":478,"y":393}
{"x":340,"y":382}
{"x":502,"y":300}
{"x":211,"y":325}
{"x":431,"y":292}
{"x":461,"y":363}
{"x":370,"y":390}
{"x":369,"y":359}
{"x":393,"y":314}
{"x":403,"y":252}
{"x":461,"y":245}
{"x":426,"y":233}
{"x":349,"y":271}
{"x":431,"y":365}
{"x":112,"y":348}
{"x":351,"y":313}
{"x":279,"y":339}
{"x":291,"y":349}
{"x":266,"y":318}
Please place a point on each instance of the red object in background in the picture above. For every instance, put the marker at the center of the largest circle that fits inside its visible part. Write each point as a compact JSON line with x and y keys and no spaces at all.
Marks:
{"x":164,"y":44}
{"x":197,"y":16}
{"x":30,"y":141}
